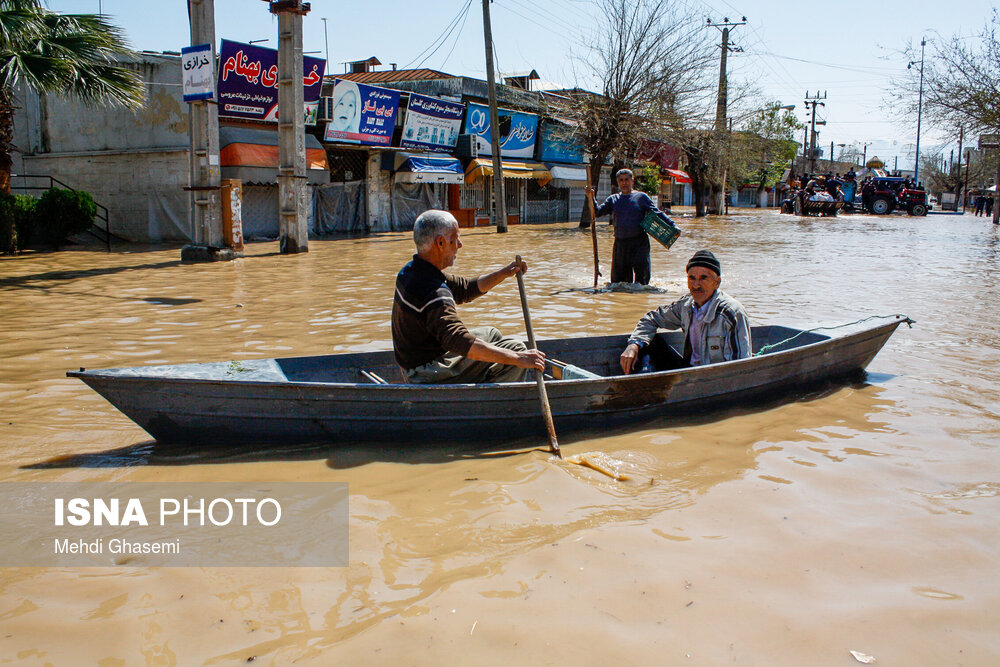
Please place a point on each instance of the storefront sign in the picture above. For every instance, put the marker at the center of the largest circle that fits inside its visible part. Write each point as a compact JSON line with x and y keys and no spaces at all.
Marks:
{"x":431,"y":124}
{"x":248,"y":82}
{"x":559,"y":143}
{"x":197,"y":72}
{"x":517,"y":135}
{"x":362,"y":114}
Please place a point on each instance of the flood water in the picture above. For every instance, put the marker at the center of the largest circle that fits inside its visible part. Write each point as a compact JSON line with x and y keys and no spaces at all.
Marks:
{"x":862,"y":517}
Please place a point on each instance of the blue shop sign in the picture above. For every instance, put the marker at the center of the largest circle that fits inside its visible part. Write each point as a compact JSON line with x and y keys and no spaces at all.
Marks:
{"x":517,"y":131}
{"x":559,"y":143}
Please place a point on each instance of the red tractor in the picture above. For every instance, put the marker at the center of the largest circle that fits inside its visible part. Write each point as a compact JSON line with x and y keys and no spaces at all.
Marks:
{"x":886,"y":194}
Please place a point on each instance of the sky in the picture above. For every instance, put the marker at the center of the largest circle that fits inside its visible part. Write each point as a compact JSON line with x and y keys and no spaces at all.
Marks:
{"x":851,"y":52}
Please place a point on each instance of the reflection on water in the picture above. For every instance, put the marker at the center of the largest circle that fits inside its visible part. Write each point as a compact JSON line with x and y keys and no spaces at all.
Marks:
{"x":801,"y":514}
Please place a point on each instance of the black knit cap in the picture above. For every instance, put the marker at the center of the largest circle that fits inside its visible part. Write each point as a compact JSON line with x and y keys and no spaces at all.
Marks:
{"x":706,"y":259}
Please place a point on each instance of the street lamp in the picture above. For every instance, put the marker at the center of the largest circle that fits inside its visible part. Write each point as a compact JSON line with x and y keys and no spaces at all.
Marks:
{"x":258,"y":41}
{"x":326,"y":41}
{"x":920,"y":108}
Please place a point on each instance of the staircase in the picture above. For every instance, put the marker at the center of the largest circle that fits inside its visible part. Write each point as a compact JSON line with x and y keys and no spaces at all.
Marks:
{"x":32,"y":182}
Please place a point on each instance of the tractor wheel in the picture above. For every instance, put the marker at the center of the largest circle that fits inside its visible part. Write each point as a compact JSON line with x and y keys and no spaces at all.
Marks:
{"x":881,"y":206}
{"x":797,"y":205}
{"x":918,"y":209}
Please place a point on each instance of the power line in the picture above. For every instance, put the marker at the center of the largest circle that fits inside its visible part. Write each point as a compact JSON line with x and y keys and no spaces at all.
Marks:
{"x":457,"y":36}
{"x":442,"y":37}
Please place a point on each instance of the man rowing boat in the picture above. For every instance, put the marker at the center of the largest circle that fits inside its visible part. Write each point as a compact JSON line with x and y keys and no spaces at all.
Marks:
{"x":431,"y":343}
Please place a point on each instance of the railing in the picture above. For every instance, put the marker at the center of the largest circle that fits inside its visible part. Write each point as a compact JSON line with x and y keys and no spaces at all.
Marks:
{"x":102,"y":212}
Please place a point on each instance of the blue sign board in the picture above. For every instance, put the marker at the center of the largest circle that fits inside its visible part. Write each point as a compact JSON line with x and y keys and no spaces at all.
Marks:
{"x":559,"y":143}
{"x":362,"y":114}
{"x":517,"y":136}
{"x":431,"y":124}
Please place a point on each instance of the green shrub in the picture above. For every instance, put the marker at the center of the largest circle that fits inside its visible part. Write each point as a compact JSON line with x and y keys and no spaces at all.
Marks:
{"x":648,"y":180}
{"x":17,"y":218}
{"x":61,"y":213}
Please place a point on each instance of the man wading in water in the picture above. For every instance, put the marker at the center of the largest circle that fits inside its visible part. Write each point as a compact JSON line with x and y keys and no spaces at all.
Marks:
{"x":630,"y":260}
{"x":431,"y":343}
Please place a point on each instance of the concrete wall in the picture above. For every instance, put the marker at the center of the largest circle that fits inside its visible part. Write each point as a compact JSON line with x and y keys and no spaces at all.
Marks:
{"x":135,"y":163}
{"x":142,"y":190}
{"x":48,"y":124}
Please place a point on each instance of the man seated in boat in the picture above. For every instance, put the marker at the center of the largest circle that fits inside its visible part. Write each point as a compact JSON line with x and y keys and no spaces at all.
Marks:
{"x":430,"y":341}
{"x":715,"y":324}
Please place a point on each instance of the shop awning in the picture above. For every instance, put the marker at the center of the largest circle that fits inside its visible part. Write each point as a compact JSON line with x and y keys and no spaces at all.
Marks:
{"x":251,"y":155}
{"x":567,"y":174}
{"x":481,"y":167}
{"x":424,"y":168}
{"x":679,"y":176}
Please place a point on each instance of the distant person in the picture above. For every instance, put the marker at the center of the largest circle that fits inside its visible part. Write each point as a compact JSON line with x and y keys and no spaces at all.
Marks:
{"x":431,"y":344}
{"x":980,"y":205}
{"x":989,"y":206}
{"x":630,"y":255}
{"x":715,"y":325}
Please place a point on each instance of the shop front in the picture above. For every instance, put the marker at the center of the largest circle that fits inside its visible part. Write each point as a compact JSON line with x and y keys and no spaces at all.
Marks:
{"x":250,"y":155}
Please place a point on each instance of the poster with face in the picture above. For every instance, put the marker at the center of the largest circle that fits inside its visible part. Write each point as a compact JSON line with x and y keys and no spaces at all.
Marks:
{"x":362,"y":114}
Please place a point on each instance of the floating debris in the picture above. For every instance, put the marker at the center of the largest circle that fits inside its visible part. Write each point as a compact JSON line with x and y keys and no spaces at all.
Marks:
{"x":863,"y":658}
{"x":602,"y":463}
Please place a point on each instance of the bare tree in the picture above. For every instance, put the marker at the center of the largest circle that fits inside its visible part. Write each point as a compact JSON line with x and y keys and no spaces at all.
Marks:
{"x":765,"y":146}
{"x":961,"y":84}
{"x":653,"y":65}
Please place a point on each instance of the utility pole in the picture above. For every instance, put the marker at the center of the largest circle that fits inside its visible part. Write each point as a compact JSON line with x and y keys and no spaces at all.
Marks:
{"x":499,"y":204}
{"x":920,"y":109}
{"x":293,"y":226}
{"x":326,"y":42}
{"x":206,"y":173}
{"x":813,"y":101}
{"x":722,"y":100}
{"x":965,"y":191}
{"x":961,"y":138}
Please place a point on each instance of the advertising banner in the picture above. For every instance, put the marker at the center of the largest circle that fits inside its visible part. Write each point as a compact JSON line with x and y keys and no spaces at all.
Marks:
{"x":559,"y":143}
{"x":517,"y":131}
{"x":248,"y":82}
{"x":197,"y":71}
{"x":431,"y":124}
{"x":362,"y":114}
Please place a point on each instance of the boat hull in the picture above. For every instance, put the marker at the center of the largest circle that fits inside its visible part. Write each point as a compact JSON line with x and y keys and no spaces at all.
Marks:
{"x":274,"y":405}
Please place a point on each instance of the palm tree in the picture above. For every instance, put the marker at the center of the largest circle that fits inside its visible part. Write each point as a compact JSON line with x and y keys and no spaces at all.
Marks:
{"x":75,"y":55}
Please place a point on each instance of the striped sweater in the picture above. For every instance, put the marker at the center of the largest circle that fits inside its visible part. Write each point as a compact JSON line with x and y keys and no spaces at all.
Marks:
{"x":425,"y":324}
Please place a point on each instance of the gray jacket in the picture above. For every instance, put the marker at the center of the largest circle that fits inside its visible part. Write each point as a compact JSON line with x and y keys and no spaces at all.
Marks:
{"x":726,"y":329}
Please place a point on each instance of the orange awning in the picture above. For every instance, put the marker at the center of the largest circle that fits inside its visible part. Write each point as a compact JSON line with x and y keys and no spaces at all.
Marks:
{"x":679,"y":176}
{"x":259,"y":155}
{"x":481,"y":167}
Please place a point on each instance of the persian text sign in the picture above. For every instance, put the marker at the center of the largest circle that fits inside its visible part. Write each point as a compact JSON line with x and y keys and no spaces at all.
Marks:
{"x":362,"y":114}
{"x":198,"y":72}
{"x":989,"y":141}
{"x":248,"y":82}
{"x":517,"y":131}
{"x":173,"y":524}
{"x":431,"y":124}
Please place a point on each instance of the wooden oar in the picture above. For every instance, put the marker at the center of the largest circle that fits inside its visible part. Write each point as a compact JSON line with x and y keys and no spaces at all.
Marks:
{"x":593,"y":228}
{"x":542,"y":394}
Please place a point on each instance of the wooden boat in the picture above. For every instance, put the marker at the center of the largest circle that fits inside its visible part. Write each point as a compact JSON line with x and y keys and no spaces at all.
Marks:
{"x":352,"y":398}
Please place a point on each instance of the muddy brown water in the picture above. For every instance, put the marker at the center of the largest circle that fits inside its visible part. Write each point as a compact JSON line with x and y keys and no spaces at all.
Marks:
{"x":861,"y":517}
